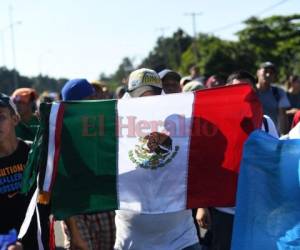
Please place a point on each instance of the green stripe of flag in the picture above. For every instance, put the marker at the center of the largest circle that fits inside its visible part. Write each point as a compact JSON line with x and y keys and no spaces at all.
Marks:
{"x":37,"y":158}
{"x":93,"y":127}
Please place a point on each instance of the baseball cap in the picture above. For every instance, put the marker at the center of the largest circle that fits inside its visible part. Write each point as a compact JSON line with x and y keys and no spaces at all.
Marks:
{"x":162,"y":74}
{"x":265,"y":65}
{"x":6,"y":101}
{"x":184,"y":80}
{"x":192,"y":86}
{"x":77,"y":89}
{"x":143,"y":80}
{"x":25,"y":95}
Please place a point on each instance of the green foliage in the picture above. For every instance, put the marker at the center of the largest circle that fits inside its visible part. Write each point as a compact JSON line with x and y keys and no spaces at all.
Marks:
{"x":123,"y":71}
{"x":211,"y":53}
{"x":167,"y":53}
{"x":276,"y":39}
{"x":217,"y":56}
{"x":40,"y":83}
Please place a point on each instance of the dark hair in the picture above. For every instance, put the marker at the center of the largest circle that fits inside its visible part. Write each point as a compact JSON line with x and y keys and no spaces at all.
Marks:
{"x":194,"y":67}
{"x":120,"y":91}
{"x":291,"y":79}
{"x":172,"y":76}
{"x":240,"y":75}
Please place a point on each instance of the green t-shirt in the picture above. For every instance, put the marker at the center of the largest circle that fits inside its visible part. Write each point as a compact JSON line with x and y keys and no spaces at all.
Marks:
{"x":27,"y":131}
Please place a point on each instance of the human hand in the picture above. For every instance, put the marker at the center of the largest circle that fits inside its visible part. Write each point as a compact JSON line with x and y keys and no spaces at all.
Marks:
{"x":292,"y":111}
{"x":17,"y":246}
{"x":203,"y":218}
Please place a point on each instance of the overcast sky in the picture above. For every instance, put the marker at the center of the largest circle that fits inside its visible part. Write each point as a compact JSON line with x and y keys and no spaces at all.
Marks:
{"x":82,"y":38}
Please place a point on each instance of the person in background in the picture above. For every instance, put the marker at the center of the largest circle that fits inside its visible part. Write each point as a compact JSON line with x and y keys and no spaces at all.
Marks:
{"x":88,"y":231}
{"x":214,"y":81}
{"x":192,"y":86}
{"x":293,"y":94}
{"x":170,"y":81}
{"x":120,"y":91}
{"x":185,"y":80}
{"x":220,"y":219}
{"x":48,"y":97}
{"x":273,"y":98}
{"x":195,"y":74}
{"x":99,"y":93}
{"x":25,"y":100}
{"x":106,"y":93}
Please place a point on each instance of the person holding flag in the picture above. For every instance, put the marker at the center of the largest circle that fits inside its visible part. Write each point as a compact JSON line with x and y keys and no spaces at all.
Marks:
{"x":174,"y":230}
{"x":13,"y":157}
{"x":95,"y":230}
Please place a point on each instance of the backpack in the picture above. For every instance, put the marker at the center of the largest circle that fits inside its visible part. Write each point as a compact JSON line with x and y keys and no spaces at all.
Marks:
{"x":266,"y":125}
{"x":275,"y":93}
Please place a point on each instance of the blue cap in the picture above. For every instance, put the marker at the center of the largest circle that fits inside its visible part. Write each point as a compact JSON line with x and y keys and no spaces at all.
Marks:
{"x":77,"y":89}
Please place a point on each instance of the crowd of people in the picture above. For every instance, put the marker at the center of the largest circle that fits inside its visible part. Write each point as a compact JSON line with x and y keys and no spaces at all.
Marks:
{"x":19,"y":122}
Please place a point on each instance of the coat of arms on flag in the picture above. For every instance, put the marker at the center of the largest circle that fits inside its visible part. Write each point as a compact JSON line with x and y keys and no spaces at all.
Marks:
{"x":153,"y":151}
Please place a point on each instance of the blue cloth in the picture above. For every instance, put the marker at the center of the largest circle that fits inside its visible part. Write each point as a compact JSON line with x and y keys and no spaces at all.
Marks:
{"x":196,"y":246}
{"x":77,"y":89}
{"x":8,"y":239}
{"x":268,"y":199}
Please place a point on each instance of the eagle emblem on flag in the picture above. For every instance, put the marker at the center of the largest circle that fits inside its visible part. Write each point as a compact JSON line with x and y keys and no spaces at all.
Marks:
{"x":153,"y":151}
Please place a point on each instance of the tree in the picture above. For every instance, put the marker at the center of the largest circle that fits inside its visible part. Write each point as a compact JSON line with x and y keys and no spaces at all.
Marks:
{"x":40,"y":83}
{"x":167,"y":52}
{"x":123,"y":71}
{"x":276,"y":39}
{"x":216,"y":56}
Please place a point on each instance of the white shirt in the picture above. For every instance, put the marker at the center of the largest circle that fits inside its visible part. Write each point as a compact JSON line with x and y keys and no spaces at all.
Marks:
{"x":293,"y":134}
{"x":154,"y":231}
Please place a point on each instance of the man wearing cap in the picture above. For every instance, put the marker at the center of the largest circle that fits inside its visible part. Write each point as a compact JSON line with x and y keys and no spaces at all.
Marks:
{"x":13,"y":157}
{"x":192,"y":86}
{"x":170,"y":81}
{"x":25,"y":100}
{"x":89,"y":231}
{"x":274,"y":99}
{"x":153,"y":231}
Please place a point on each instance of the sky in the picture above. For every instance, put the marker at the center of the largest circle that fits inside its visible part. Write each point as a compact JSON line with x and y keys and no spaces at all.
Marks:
{"x":83,"y":38}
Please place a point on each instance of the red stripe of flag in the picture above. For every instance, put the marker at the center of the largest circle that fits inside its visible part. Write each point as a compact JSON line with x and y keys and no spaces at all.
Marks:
{"x":58,"y":129}
{"x":223,"y":121}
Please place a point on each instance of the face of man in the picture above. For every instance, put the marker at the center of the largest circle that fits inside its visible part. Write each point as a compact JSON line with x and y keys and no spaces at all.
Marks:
{"x":296,"y":84}
{"x":8,"y":121}
{"x":24,"y":108}
{"x":266,"y":75}
{"x":171,"y":86}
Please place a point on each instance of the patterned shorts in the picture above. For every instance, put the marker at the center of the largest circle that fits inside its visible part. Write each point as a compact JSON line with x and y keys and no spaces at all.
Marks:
{"x":98,"y":230}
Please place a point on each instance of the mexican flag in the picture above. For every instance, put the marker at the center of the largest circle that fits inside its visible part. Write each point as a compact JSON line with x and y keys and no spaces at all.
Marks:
{"x":152,"y":155}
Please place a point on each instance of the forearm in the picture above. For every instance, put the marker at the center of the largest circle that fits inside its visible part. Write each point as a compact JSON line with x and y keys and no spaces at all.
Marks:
{"x":71,"y":224}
